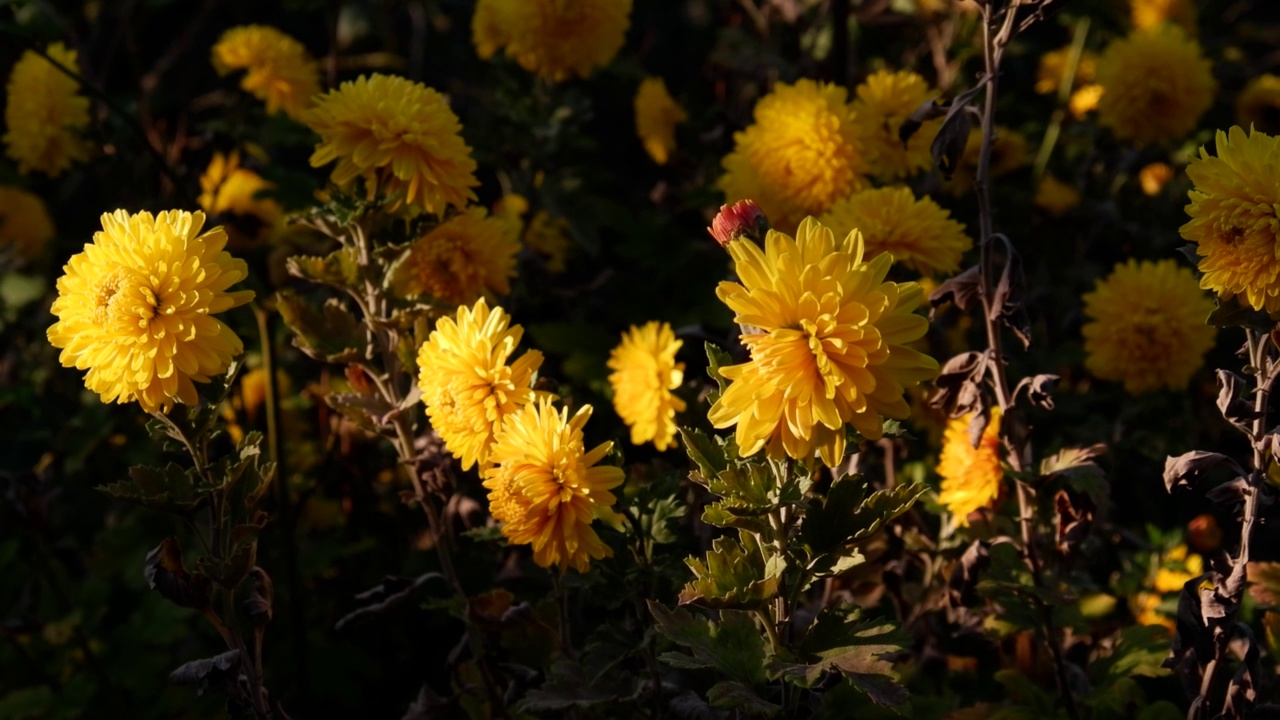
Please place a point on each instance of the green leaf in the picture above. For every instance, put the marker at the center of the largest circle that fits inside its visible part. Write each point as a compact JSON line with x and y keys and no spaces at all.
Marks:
{"x":708,"y":454}
{"x":719,"y":515}
{"x":733,"y":695}
{"x":736,"y":575}
{"x":366,"y":410}
{"x":1024,"y":689}
{"x":330,"y":334}
{"x":1139,"y":651}
{"x":171,"y":488}
{"x":841,"y":640}
{"x":339,"y":269}
{"x":849,"y":515}
{"x":1231,"y":313}
{"x":716,"y":359}
{"x":735,"y":648}
{"x":567,"y":687}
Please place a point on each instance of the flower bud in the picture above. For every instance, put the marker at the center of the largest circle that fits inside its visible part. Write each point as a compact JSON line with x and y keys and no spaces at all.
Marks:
{"x":1203,"y":533}
{"x":741,"y":219}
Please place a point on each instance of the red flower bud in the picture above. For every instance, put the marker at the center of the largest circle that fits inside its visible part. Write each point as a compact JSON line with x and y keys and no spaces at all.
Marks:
{"x":741,"y":219}
{"x":1203,"y":533}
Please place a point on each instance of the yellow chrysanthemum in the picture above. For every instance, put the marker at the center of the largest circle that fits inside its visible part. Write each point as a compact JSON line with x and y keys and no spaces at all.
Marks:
{"x":800,"y":156}
{"x":1156,"y":85}
{"x":468,"y":256}
{"x":400,"y":137}
{"x":1146,"y":326}
{"x":1008,"y":153}
{"x":25,"y":225}
{"x":645,"y":372}
{"x":971,"y":476}
{"x":1085,"y":100}
{"x":546,"y":489}
{"x":548,"y":235}
{"x":44,"y":115}
{"x":1258,"y":105}
{"x":1152,"y":13}
{"x":1056,"y":197}
{"x":918,"y":233}
{"x":1172,"y":570}
{"x":657,"y":116}
{"x":1053,"y":67}
{"x":1234,"y":219}
{"x":832,"y":347}
{"x":466,"y":383}
{"x":1153,"y":177}
{"x":136,"y":308}
{"x":232,"y":192}
{"x":555,"y":38}
{"x":884,"y":100}
{"x":278,"y":69}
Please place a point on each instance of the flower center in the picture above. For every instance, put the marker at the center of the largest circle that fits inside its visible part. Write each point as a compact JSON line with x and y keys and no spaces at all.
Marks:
{"x":104,"y":293}
{"x":116,"y":295}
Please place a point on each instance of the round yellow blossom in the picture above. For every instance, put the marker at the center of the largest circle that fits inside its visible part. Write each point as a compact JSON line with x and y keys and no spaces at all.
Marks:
{"x":1146,"y":326}
{"x":1152,"y":13}
{"x":400,"y":137}
{"x":555,"y":38}
{"x":1153,"y":177}
{"x":1056,"y":197}
{"x":884,"y":100}
{"x":548,"y":235}
{"x":278,"y":69}
{"x":645,"y":372}
{"x":918,"y":233}
{"x":1085,"y":100}
{"x":800,"y":156}
{"x":1173,"y":570}
{"x":232,"y":192}
{"x":1008,"y":153}
{"x":44,"y":115}
{"x":25,"y":224}
{"x":466,"y":383}
{"x":491,"y":26}
{"x":657,"y":116}
{"x":831,"y":348}
{"x":1053,"y":68}
{"x":468,"y":256}
{"x":136,"y":308}
{"x":546,"y":489}
{"x":1156,"y":85}
{"x":1258,"y":105}
{"x":971,"y":476}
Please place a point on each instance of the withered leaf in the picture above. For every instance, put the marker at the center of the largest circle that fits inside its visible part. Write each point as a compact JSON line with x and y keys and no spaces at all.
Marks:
{"x":1185,"y":469}
{"x":1007,"y":298}
{"x":928,"y":110}
{"x":1229,"y":493}
{"x":1073,"y":518}
{"x":219,"y":671}
{"x":1037,"y":390}
{"x":167,"y":575}
{"x":1233,"y":407}
{"x":259,"y":605}
{"x":390,"y":594}
{"x":959,"y":384}
{"x":948,"y":145}
{"x":962,"y":290}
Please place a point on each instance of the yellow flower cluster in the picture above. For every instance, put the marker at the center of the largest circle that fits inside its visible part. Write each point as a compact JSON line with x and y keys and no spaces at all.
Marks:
{"x":971,"y":476}
{"x":657,"y":116}
{"x":1172,"y":571}
{"x":801,"y":155}
{"x":831,"y":348}
{"x":1156,"y":85}
{"x":1153,"y":13}
{"x":1146,"y":326}
{"x":467,"y":256}
{"x":917,"y":233}
{"x":883,"y":102}
{"x":44,"y":115}
{"x":25,"y":225}
{"x":1085,"y":94}
{"x":400,"y":137}
{"x":231,"y":192}
{"x":278,"y":69}
{"x":136,"y":308}
{"x":552,"y":38}
{"x":645,"y":372}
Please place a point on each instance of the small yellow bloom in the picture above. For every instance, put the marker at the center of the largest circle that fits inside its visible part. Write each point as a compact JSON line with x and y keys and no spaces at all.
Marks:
{"x":1085,"y":100}
{"x":1053,"y":68}
{"x":1152,"y":13}
{"x":1146,"y":326}
{"x":801,"y":155}
{"x":232,"y":192}
{"x":546,"y":489}
{"x":491,"y":26}
{"x":971,"y":476}
{"x":400,"y":137}
{"x":657,"y":116}
{"x":1172,"y":570}
{"x":44,"y":114}
{"x":468,"y":256}
{"x":1258,"y":105}
{"x":645,"y":372}
{"x":548,"y":235}
{"x":136,"y":308}
{"x":1008,"y":153}
{"x":278,"y":69}
{"x":1157,"y":84}
{"x":1153,"y":177}
{"x":1056,"y":197}
{"x":552,"y":38}
{"x":917,"y":233}
{"x":884,"y":101}
{"x":25,"y":224}
{"x":466,"y":384}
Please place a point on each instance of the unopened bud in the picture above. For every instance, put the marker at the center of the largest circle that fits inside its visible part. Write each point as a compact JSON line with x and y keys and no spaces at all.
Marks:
{"x":741,"y":219}
{"x":1203,"y":533}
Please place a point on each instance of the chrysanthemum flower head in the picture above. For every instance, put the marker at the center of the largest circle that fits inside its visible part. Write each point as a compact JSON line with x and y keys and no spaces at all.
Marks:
{"x":1233,"y":217}
{"x":278,"y":69}
{"x":400,"y":137}
{"x":657,"y":116}
{"x":491,"y":26}
{"x":136,"y":308}
{"x":466,"y":383}
{"x":44,"y":114}
{"x":741,"y":219}
{"x":468,"y":256}
{"x":884,"y":100}
{"x":1258,"y":105}
{"x":800,"y":156}
{"x":1056,"y":197}
{"x":546,"y":488}
{"x":552,"y":38}
{"x":645,"y":372}
{"x":1153,"y":177}
{"x":1153,"y":13}
{"x":25,"y":225}
{"x":1156,"y":85}
{"x":1008,"y":153}
{"x":918,"y":233}
{"x":971,"y":476}
{"x":231,"y":192}
{"x":832,"y":347}
{"x":1146,"y":326}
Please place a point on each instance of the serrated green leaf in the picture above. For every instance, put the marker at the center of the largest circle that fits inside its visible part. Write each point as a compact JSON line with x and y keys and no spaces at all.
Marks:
{"x":733,"y":695}
{"x":171,"y":488}
{"x":1139,"y":651}
{"x":734,"y":647}
{"x":882,"y":507}
{"x":848,"y":515}
{"x":329,"y":334}
{"x":736,"y":575}
{"x":719,"y":515}
{"x":716,"y":359}
{"x":339,"y":269}
{"x":841,"y":640}
{"x":705,"y":452}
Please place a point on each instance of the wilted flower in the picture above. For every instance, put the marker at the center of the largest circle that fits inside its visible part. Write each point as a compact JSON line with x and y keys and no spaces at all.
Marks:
{"x":1056,"y":197}
{"x":546,"y":489}
{"x":657,"y":115}
{"x":25,"y":225}
{"x":918,"y":233}
{"x":740,"y":219}
{"x":800,"y":156}
{"x":552,"y":38}
{"x":645,"y":372}
{"x":232,"y":192}
{"x":44,"y":113}
{"x":467,"y":256}
{"x":466,"y":383}
{"x":278,"y":69}
{"x":1146,"y":326}
{"x":832,"y":348}
{"x":971,"y":476}
{"x":1152,"y":13}
{"x":1153,"y":177}
{"x":1157,"y":83}
{"x":400,"y":137}
{"x":136,"y":308}
{"x":1233,"y":218}
{"x":1258,"y":105}
{"x":884,"y":101}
